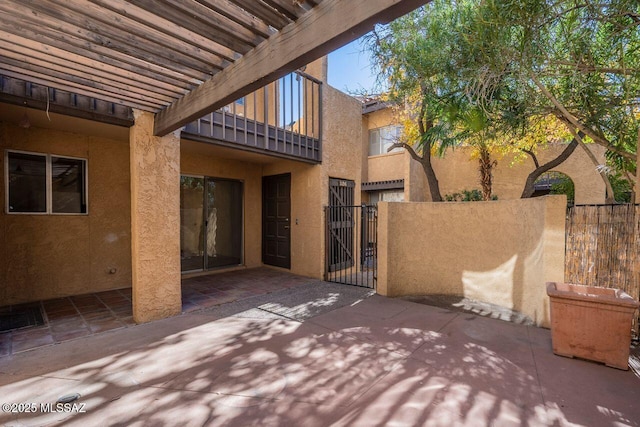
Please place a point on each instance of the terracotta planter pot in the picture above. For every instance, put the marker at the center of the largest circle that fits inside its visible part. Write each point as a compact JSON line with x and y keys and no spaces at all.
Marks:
{"x":592,"y":323}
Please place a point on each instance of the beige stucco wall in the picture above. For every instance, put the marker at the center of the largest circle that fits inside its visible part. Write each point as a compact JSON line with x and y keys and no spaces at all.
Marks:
{"x":500,"y":252}
{"x":195,"y":159}
{"x":137,"y":172}
{"x":457,"y":171}
{"x":48,"y":256}
{"x":378,"y":119}
{"x":341,"y":131}
{"x":155,"y":221}
{"x":386,"y":167}
{"x":416,"y":188}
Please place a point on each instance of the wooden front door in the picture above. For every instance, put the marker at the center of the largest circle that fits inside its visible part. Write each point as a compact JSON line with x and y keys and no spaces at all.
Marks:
{"x":276,"y":220}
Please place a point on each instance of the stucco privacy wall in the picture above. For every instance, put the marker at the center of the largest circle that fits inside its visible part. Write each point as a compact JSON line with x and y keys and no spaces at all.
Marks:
{"x":501,"y":252}
{"x":197,"y":159}
{"x":341,"y":154}
{"x":155,"y":221}
{"x":49,"y":256}
{"x":416,"y":188}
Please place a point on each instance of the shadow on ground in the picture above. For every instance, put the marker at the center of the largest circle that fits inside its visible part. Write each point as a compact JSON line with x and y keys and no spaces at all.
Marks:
{"x":468,"y":305}
{"x":319,"y":355}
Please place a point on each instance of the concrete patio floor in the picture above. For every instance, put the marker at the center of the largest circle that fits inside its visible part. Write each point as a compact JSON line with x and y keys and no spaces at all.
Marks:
{"x":318,"y":354}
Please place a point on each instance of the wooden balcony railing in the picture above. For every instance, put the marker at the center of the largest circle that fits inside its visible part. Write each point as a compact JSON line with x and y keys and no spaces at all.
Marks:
{"x":282,"y":119}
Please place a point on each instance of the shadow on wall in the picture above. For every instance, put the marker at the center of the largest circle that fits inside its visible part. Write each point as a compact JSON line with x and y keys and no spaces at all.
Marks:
{"x":499,"y":252}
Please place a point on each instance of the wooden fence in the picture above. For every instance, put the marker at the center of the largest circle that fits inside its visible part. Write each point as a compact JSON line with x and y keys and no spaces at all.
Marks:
{"x":603,"y":247}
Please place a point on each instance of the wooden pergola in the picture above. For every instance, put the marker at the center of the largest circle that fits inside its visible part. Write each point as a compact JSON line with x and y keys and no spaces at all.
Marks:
{"x":179,"y":59}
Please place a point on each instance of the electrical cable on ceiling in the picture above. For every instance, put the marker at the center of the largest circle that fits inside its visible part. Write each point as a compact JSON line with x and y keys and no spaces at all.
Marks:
{"x":48,"y":117}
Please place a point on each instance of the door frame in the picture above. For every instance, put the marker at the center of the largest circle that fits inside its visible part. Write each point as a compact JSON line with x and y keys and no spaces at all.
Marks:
{"x":205,"y":215}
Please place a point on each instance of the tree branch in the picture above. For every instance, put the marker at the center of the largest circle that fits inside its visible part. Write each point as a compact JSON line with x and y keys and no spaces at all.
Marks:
{"x":531,"y":179}
{"x":423,"y":112}
{"x":561,"y":158}
{"x":609,"y":197}
{"x":608,"y":145}
{"x":586,"y":68}
{"x":573,"y":120}
{"x":533,"y":156}
{"x":407,"y":147}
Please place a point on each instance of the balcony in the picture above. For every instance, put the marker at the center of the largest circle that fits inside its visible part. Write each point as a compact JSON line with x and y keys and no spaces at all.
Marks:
{"x":282,"y":119}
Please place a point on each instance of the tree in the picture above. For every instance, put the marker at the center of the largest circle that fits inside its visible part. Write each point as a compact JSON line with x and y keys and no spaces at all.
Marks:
{"x":540,"y":132}
{"x":514,"y":64}
{"x":471,"y":126}
{"x":577,"y":61}
{"x":412,"y":55}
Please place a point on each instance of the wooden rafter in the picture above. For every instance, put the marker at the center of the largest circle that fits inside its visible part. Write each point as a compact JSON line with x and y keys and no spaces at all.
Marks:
{"x":150,"y":54}
{"x":31,"y":51}
{"x":83,"y":45}
{"x":206,"y":22}
{"x":155,"y":27}
{"x":263,"y":12}
{"x":293,"y":10}
{"x":70,"y":22}
{"x":318,"y":32}
{"x":239,"y":15}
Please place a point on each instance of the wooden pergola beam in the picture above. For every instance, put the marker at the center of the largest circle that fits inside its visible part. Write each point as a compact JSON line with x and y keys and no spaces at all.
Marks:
{"x":331,"y":24}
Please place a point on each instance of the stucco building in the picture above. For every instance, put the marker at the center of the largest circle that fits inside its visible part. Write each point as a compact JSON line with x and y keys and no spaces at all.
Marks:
{"x":141,"y":144}
{"x":395,"y":176}
{"x":67,"y":187}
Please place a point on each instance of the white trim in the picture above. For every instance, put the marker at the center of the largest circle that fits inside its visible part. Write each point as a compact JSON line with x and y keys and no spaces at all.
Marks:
{"x":396,"y":128}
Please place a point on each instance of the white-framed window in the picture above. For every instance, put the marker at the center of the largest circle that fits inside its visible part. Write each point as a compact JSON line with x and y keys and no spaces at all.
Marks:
{"x":386,"y":196}
{"x":381,"y":139}
{"x":37,"y":183}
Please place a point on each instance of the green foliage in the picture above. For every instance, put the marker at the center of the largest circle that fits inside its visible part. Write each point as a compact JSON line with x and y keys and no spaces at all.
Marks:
{"x":188,"y":182}
{"x":564,"y":185}
{"x":474,"y":195}
{"x":414,"y":56}
{"x":490,"y":72}
{"x":577,"y":61}
{"x":621,"y":188}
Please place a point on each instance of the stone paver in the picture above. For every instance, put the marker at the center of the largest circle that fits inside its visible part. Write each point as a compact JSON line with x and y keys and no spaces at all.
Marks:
{"x":79,"y":316}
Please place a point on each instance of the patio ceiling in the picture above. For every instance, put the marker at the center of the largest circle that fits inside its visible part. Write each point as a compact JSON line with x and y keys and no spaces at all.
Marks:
{"x":179,"y":58}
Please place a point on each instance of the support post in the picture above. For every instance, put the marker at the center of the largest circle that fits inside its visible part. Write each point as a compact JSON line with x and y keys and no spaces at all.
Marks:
{"x":155,"y":220}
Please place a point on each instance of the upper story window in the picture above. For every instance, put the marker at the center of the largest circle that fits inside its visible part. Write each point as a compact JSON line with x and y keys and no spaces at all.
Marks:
{"x":382,"y":138}
{"x":386,"y":196}
{"x":45,"y":184}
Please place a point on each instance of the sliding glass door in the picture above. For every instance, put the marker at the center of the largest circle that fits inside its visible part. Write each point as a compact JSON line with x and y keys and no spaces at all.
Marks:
{"x":191,"y":223}
{"x":210,"y":223}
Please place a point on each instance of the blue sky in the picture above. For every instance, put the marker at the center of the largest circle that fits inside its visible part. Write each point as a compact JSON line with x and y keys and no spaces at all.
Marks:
{"x":350,"y":70}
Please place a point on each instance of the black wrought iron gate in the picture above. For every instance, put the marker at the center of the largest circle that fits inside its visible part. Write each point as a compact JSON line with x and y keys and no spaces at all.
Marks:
{"x":351,"y":245}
